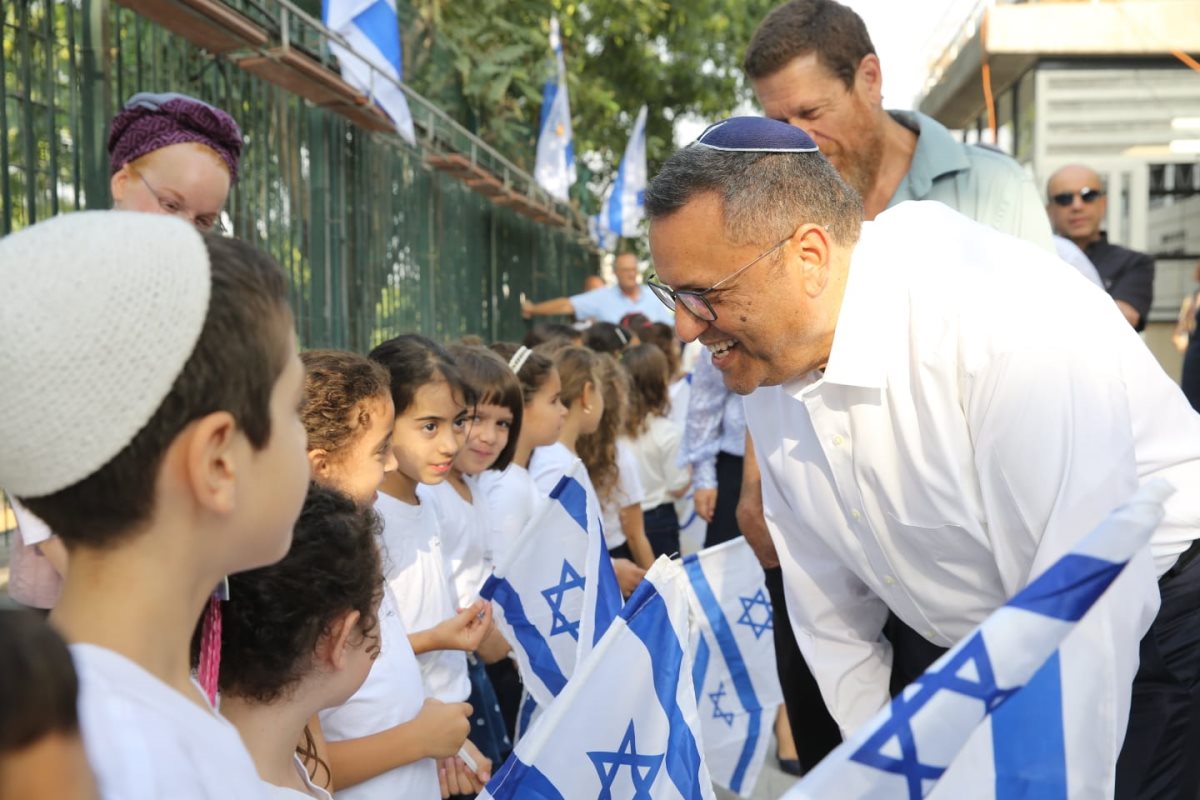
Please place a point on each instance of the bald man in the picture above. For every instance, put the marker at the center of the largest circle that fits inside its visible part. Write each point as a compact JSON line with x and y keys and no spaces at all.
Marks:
{"x":1077,"y":206}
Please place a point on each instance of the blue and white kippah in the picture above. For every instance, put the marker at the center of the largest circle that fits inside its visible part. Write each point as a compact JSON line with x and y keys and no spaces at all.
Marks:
{"x":756,"y":135}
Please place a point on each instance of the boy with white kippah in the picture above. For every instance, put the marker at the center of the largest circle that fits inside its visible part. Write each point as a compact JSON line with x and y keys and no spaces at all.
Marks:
{"x":150,"y":417}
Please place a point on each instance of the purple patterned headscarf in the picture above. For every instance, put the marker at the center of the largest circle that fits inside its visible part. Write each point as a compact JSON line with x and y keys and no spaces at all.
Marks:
{"x":153,"y":121}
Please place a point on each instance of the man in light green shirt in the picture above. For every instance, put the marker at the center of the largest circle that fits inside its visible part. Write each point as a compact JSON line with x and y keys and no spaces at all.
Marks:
{"x":812,"y":64}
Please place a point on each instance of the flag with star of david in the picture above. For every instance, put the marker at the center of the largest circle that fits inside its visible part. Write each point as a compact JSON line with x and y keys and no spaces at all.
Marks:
{"x":625,"y":727}
{"x":554,"y":592}
{"x":1000,"y":715}
{"x":737,"y":687}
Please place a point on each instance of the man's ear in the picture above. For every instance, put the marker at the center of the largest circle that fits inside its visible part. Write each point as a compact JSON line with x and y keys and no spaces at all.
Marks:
{"x":868,"y":79}
{"x":811,"y":245}
{"x":211,"y":461}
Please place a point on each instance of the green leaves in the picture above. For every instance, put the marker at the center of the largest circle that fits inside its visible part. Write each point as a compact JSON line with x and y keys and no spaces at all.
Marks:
{"x":485,"y":62}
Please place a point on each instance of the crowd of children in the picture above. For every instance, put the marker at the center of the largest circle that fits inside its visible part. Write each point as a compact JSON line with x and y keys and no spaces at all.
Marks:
{"x":356,"y":503}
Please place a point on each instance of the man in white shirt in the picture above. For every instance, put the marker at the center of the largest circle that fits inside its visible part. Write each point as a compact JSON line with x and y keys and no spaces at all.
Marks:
{"x":926,"y":453}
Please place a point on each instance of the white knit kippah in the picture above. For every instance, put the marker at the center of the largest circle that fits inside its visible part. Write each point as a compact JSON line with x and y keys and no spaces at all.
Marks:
{"x":99,"y":312}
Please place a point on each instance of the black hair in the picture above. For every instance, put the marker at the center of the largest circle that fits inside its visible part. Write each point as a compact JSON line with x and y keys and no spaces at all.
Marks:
{"x":605,"y":337}
{"x":38,"y":684}
{"x":276,"y":615}
{"x":533,"y":373}
{"x":494,"y":383}
{"x":546,"y":332}
{"x":242,"y":350}
{"x":413,"y":361}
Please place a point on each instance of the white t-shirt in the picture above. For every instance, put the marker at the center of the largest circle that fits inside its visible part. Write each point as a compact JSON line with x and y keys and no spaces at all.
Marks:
{"x":466,"y":540}
{"x":511,"y":498}
{"x":146,"y":741}
{"x":548,"y":464}
{"x":627,"y":492}
{"x":284,"y":793}
{"x":657,"y":453}
{"x":392,"y":695}
{"x":415,"y":568}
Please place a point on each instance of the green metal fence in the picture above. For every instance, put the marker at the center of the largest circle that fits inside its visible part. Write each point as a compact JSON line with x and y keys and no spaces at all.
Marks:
{"x":375,"y":242}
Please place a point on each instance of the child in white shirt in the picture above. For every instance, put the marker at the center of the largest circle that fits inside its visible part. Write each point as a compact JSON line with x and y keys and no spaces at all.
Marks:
{"x":431,"y":401}
{"x":654,"y":439}
{"x":168,"y":455}
{"x":585,"y":395}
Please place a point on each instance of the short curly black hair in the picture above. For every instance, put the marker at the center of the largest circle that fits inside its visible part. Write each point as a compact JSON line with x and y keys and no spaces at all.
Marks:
{"x":276,"y":615}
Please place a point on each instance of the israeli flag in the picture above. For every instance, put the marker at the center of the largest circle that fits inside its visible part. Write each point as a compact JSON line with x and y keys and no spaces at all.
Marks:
{"x":555,"y":166}
{"x":625,"y":726}
{"x":737,"y":687}
{"x":372,"y":30}
{"x":624,"y":205}
{"x":987,"y":719}
{"x":555,"y":592}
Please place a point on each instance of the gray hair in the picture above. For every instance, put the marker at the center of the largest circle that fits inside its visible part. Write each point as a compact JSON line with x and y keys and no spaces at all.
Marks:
{"x":764,"y":196}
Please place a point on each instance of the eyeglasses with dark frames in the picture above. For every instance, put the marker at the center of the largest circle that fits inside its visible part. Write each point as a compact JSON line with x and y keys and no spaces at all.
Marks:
{"x":695,"y":300}
{"x":1087,"y":194}
{"x":204,"y":223}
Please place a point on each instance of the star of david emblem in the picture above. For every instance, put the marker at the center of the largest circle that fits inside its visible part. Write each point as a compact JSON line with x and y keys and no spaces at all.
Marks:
{"x":718,"y":712}
{"x":643,"y":768}
{"x":568,"y":579}
{"x":893,"y":747}
{"x":761,"y":622}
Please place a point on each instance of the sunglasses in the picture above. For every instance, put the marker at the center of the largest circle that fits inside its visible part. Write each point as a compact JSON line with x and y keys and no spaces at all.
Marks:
{"x":1087,"y":194}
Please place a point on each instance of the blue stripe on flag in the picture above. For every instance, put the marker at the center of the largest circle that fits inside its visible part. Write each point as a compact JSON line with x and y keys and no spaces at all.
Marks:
{"x":608,"y":592}
{"x":548,"y":93}
{"x":1027,"y":766}
{"x":733,"y":659}
{"x":700,"y":666}
{"x":380,"y":25}
{"x":616,"y":203}
{"x":1069,"y":588}
{"x":573,"y":498}
{"x":541,"y":657}
{"x":516,"y":780}
{"x":525,"y":715}
{"x":647,"y":617}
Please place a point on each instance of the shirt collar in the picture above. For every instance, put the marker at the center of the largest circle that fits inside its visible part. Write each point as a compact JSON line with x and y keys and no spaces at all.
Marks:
{"x":938,"y":153}
{"x":859,"y":353}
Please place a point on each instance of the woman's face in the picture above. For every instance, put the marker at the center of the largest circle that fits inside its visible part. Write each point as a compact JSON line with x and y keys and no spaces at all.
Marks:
{"x":186,"y":180}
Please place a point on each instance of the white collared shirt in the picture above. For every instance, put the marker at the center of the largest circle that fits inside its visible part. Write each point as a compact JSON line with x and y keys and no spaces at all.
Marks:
{"x":966,"y":432}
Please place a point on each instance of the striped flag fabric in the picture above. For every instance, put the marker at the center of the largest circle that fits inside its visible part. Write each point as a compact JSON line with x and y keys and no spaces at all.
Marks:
{"x":987,"y":719}
{"x":625,"y":726}
{"x":554,"y":592}
{"x":554,"y":168}
{"x":737,"y":687}
{"x":624,"y":205}
{"x":372,"y":30}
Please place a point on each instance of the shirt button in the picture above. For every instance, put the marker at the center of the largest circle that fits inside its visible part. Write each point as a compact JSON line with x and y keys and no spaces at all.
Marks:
{"x":889,"y":580}
{"x":930,"y":634}
{"x":837,"y":441}
{"x":855,"y":514}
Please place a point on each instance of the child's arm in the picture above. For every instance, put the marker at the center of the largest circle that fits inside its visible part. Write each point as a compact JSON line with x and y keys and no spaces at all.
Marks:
{"x":436,"y":732}
{"x":494,"y":647}
{"x":458,"y":778}
{"x":464,"y":631}
{"x":634,"y":526}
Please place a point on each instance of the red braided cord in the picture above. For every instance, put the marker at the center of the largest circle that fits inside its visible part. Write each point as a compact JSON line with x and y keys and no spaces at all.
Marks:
{"x":210,"y":650}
